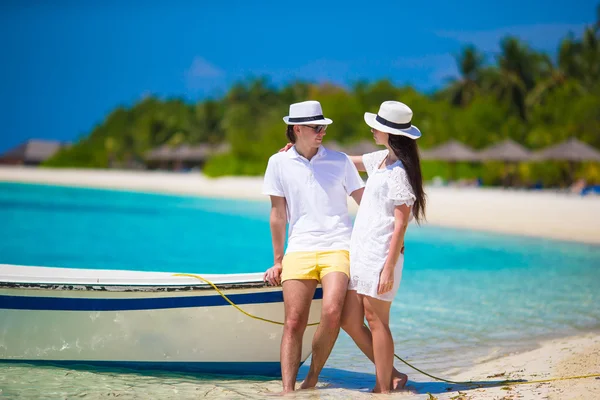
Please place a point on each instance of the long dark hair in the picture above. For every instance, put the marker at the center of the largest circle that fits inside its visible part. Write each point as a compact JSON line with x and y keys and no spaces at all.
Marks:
{"x":407,"y":151}
{"x":290,"y":134}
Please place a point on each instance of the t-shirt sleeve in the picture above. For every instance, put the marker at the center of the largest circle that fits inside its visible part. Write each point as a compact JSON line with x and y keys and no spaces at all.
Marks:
{"x":352,"y":180}
{"x":400,"y":190}
{"x":372,"y":160}
{"x":272,"y":183}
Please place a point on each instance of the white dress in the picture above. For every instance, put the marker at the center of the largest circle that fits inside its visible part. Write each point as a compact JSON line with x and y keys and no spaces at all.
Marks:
{"x":374,"y":225}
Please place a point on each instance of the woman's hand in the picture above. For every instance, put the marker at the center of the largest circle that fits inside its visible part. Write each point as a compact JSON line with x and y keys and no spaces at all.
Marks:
{"x":286,"y":147}
{"x":386,"y":280}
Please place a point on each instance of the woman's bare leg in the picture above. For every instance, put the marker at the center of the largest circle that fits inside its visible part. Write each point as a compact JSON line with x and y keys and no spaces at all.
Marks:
{"x":378,"y":317}
{"x":353,"y":318}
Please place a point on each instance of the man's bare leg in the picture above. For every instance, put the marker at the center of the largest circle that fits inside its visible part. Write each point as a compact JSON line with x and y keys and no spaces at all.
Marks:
{"x":297,"y":296}
{"x":353,"y":318}
{"x":335,"y":285}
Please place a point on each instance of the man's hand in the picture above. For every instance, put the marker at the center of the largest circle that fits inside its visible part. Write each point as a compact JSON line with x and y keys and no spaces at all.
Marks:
{"x":286,"y":147}
{"x":386,"y":280}
{"x":273,"y":275}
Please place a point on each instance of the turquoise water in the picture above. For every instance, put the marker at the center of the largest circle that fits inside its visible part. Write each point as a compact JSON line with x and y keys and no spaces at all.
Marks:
{"x":465,"y":296}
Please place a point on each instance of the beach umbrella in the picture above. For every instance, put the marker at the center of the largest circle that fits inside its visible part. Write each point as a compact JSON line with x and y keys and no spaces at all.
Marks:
{"x":424,"y":154}
{"x":509,"y":152}
{"x":452,"y":152}
{"x":362,"y":147}
{"x":572,"y":150}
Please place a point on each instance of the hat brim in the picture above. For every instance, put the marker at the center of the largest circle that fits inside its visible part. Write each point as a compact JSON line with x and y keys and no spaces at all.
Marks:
{"x":413,"y":132}
{"x":324,"y":121}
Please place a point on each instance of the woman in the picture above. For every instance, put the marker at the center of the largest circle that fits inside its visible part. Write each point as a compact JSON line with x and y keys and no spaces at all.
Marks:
{"x":393,"y":196}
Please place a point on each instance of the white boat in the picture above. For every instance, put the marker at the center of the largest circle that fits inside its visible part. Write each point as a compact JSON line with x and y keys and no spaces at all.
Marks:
{"x":142,"y":320}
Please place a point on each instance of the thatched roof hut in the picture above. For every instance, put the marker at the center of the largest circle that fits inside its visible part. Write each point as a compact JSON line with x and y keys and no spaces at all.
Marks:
{"x":183,"y":156}
{"x":32,"y":152}
{"x":162,"y":153}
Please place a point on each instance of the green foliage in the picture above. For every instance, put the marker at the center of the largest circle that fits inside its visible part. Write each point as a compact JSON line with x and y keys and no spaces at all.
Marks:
{"x":519,"y":94}
{"x":463,"y":170}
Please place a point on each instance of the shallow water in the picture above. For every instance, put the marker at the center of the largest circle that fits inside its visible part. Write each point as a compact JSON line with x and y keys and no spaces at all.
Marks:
{"x":465,"y":296}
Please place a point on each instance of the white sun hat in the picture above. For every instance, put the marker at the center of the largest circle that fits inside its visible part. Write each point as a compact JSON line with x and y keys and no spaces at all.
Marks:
{"x":394,"y":118}
{"x":306,"y":113}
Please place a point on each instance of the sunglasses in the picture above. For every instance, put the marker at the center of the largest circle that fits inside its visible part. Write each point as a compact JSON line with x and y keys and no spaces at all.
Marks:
{"x":317,"y":128}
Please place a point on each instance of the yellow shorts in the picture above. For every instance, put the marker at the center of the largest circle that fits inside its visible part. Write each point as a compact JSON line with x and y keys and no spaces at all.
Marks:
{"x":314,"y":264}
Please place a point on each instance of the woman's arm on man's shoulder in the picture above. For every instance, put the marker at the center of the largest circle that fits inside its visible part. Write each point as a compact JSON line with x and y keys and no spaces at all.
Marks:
{"x":358,"y":162}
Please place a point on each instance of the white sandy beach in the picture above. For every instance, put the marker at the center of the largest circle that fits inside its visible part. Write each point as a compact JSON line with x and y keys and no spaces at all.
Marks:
{"x":568,"y":357}
{"x":530,"y":213}
{"x":557,"y":358}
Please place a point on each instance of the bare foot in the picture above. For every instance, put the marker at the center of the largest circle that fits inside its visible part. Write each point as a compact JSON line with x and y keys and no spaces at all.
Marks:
{"x":377,"y":390}
{"x":309,"y":382}
{"x":398,"y":380}
{"x":279,"y":394}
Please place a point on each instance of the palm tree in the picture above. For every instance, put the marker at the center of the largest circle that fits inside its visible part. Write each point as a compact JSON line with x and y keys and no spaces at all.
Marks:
{"x":520,"y":68}
{"x":569,"y":54}
{"x":110,"y":145}
{"x":463,"y":90}
{"x":590,"y":56}
{"x":578,"y":66}
{"x":255,"y":93}
{"x":567,"y":71}
{"x":295,"y":92}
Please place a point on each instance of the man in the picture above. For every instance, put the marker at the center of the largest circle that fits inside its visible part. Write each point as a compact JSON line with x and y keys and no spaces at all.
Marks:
{"x":309,"y":188}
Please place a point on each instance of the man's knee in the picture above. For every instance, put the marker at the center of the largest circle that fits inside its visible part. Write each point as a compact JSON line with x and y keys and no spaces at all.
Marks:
{"x":295,"y":325}
{"x":332,"y":314}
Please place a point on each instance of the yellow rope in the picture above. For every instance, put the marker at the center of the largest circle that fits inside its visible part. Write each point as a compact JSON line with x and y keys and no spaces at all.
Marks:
{"x":223,"y":295}
{"x":469,"y":383}
{"x":499,"y":383}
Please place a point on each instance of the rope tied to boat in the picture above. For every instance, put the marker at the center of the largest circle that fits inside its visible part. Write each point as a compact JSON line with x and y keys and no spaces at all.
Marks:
{"x":480,"y":384}
{"x":227,"y":299}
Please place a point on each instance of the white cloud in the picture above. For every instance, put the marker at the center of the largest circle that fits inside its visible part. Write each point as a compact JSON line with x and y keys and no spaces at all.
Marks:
{"x":438,"y":67}
{"x":202,"y":75}
{"x":201,"y":68}
{"x":539,"y":36}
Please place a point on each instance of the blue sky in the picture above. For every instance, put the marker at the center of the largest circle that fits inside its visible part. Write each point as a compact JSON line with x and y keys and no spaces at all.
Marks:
{"x":66,"y":65}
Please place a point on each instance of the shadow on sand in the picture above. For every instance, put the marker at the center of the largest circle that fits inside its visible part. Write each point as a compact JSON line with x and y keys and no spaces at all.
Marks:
{"x":362,"y":381}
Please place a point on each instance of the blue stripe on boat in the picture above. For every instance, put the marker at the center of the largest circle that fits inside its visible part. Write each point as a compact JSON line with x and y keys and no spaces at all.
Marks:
{"x":155,"y":303}
{"x":271,"y":369}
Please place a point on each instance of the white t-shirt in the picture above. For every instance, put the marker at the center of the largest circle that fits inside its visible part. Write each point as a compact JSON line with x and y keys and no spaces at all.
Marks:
{"x":316,"y":193}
